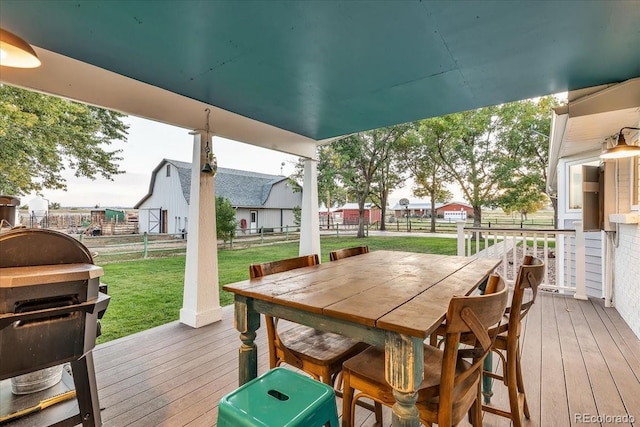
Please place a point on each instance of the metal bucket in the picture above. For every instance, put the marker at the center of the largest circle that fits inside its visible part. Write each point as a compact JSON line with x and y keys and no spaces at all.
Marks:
{"x":36,"y":381}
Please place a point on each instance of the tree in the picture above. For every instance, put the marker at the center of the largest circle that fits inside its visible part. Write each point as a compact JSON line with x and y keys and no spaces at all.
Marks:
{"x":525,"y":197}
{"x":226,"y":223}
{"x":470,"y":154}
{"x":524,"y":188}
{"x":420,"y":157}
{"x":42,"y":135}
{"x":360,"y":158}
{"x":329,"y":190}
{"x":388,"y":178}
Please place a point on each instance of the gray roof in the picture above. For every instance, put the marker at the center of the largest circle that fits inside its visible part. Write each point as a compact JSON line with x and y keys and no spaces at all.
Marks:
{"x":243,"y":188}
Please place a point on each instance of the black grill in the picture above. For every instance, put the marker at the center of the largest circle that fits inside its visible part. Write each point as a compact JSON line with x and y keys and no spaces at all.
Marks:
{"x":50,"y":303}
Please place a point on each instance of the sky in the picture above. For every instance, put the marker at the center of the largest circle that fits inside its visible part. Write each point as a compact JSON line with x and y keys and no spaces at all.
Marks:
{"x":147,"y":144}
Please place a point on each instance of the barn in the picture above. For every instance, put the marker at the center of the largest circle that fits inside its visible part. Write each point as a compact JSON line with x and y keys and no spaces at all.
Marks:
{"x":349,"y":214}
{"x":261,"y":200}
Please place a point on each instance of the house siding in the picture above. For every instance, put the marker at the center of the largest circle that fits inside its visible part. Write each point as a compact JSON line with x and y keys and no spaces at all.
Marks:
{"x":627,"y":276}
{"x":593,"y":261}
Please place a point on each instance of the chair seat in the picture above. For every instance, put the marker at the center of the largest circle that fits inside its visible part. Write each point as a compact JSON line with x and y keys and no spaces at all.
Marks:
{"x":370,"y":364}
{"x":320,"y":347}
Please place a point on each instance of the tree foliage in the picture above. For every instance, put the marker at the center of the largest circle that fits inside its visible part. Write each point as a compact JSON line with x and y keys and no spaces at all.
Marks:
{"x":526,"y":139}
{"x":471,"y":153}
{"x":42,"y":135}
{"x":419,"y":155}
{"x":390,"y":176}
{"x":360,"y":158}
{"x":330,"y":192}
{"x":226,"y":223}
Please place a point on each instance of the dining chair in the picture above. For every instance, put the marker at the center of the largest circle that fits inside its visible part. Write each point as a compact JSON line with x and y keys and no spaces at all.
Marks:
{"x":507,"y":343}
{"x":318,"y":353}
{"x":347,"y":252}
{"x":451,"y":386}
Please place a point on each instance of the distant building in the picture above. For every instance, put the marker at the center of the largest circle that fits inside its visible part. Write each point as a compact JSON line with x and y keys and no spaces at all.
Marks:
{"x":454,"y":207}
{"x":349,"y":214}
{"x":260,"y":200}
{"x":414,"y":209}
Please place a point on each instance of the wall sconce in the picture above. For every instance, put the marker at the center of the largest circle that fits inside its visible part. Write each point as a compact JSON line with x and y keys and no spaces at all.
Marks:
{"x":15,"y":52}
{"x":211,"y":163}
{"x":621,"y":149}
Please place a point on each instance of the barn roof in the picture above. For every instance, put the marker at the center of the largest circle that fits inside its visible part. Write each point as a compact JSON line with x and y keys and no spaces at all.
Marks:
{"x":242,"y":188}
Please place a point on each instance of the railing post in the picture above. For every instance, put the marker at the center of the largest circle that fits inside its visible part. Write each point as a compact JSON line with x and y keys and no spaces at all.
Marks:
{"x":261,"y":235}
{"x":145,"y":241}
{"x":580,"y":263}
{"x":286,"y":233}
{"x":460,"y":226}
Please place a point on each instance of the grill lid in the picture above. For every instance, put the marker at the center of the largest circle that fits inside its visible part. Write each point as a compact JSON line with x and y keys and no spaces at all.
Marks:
{"x":29,"y":247}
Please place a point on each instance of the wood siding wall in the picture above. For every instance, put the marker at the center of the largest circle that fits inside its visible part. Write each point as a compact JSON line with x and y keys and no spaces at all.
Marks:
{"x":282,"y":196}
{"x":167,"y":194}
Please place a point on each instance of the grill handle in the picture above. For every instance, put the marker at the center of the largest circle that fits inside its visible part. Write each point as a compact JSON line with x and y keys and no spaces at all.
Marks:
{"x":88,"y":307}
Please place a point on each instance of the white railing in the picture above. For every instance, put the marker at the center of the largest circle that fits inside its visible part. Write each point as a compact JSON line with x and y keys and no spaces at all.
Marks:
{"x":561,"y":250}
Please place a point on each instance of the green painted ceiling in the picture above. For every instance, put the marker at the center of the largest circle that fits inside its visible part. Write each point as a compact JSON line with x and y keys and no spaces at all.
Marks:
{"x":328,"y":68}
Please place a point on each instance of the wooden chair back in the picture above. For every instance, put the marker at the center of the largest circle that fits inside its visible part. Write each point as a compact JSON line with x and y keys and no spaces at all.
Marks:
{"x":347,"y":252}
{"x":472,"y":316}
{"x":530,"y":276}
{"x":273,"y":267}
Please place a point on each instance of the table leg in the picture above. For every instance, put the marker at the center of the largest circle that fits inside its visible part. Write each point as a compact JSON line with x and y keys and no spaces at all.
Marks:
{"x":404,"y":371}
{"x":247,"y":321}
{"x":487,"y":382}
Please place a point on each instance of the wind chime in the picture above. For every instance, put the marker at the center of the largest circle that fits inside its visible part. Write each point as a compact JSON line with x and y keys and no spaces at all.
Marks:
{"x":211,"y":163}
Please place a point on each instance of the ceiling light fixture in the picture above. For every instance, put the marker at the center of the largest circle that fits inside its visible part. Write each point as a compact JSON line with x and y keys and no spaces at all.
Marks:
{"x":621,"y":149}
{"x":15,"y":52}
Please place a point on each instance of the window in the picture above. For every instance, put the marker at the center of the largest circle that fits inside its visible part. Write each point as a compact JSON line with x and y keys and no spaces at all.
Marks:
{"x":575,"y":184}
{"x":168,"y":170}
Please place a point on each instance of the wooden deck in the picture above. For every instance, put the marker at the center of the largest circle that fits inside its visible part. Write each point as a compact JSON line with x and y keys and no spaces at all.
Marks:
{"x":580,"y":358}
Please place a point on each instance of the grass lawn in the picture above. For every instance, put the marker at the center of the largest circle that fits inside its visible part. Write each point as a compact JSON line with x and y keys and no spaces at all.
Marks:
{"x":147,"y":293}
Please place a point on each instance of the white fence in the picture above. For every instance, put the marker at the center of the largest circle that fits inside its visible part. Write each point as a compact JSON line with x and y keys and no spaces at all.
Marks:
{"x":564,"y":269}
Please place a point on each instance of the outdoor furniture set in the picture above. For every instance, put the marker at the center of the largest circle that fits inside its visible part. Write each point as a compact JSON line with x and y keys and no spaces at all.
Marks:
{"x":359,"y":325}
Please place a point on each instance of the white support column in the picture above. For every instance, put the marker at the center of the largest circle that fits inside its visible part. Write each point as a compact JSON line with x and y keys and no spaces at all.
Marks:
{"x":310,"y":222}
{"x":581,"y":290}
{"x":461,"y":238}
{"x":201,"y":301}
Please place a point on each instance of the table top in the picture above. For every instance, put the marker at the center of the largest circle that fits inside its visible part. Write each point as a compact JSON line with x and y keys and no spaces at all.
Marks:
{"x":402,"y":292}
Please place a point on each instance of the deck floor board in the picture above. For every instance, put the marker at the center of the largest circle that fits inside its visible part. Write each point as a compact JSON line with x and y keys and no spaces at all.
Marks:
{"x":579,"y":358}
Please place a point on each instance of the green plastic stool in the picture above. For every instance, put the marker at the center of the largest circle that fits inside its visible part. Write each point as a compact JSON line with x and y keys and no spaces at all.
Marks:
{"x":279,"y":398}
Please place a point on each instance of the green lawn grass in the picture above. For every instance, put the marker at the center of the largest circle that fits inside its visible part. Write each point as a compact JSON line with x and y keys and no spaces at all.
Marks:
{"x":147,"y":293}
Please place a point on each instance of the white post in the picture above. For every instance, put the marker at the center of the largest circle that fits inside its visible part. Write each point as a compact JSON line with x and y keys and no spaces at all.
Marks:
{"x":608,"y":267}
{"x":201,"y":301}
{"x":580,"y":263}
{"x":310,"y":222}
{"x":460,"y":225}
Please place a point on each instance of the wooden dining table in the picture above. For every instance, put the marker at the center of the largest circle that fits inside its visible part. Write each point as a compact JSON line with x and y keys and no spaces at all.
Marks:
{"x":385,"y":298}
